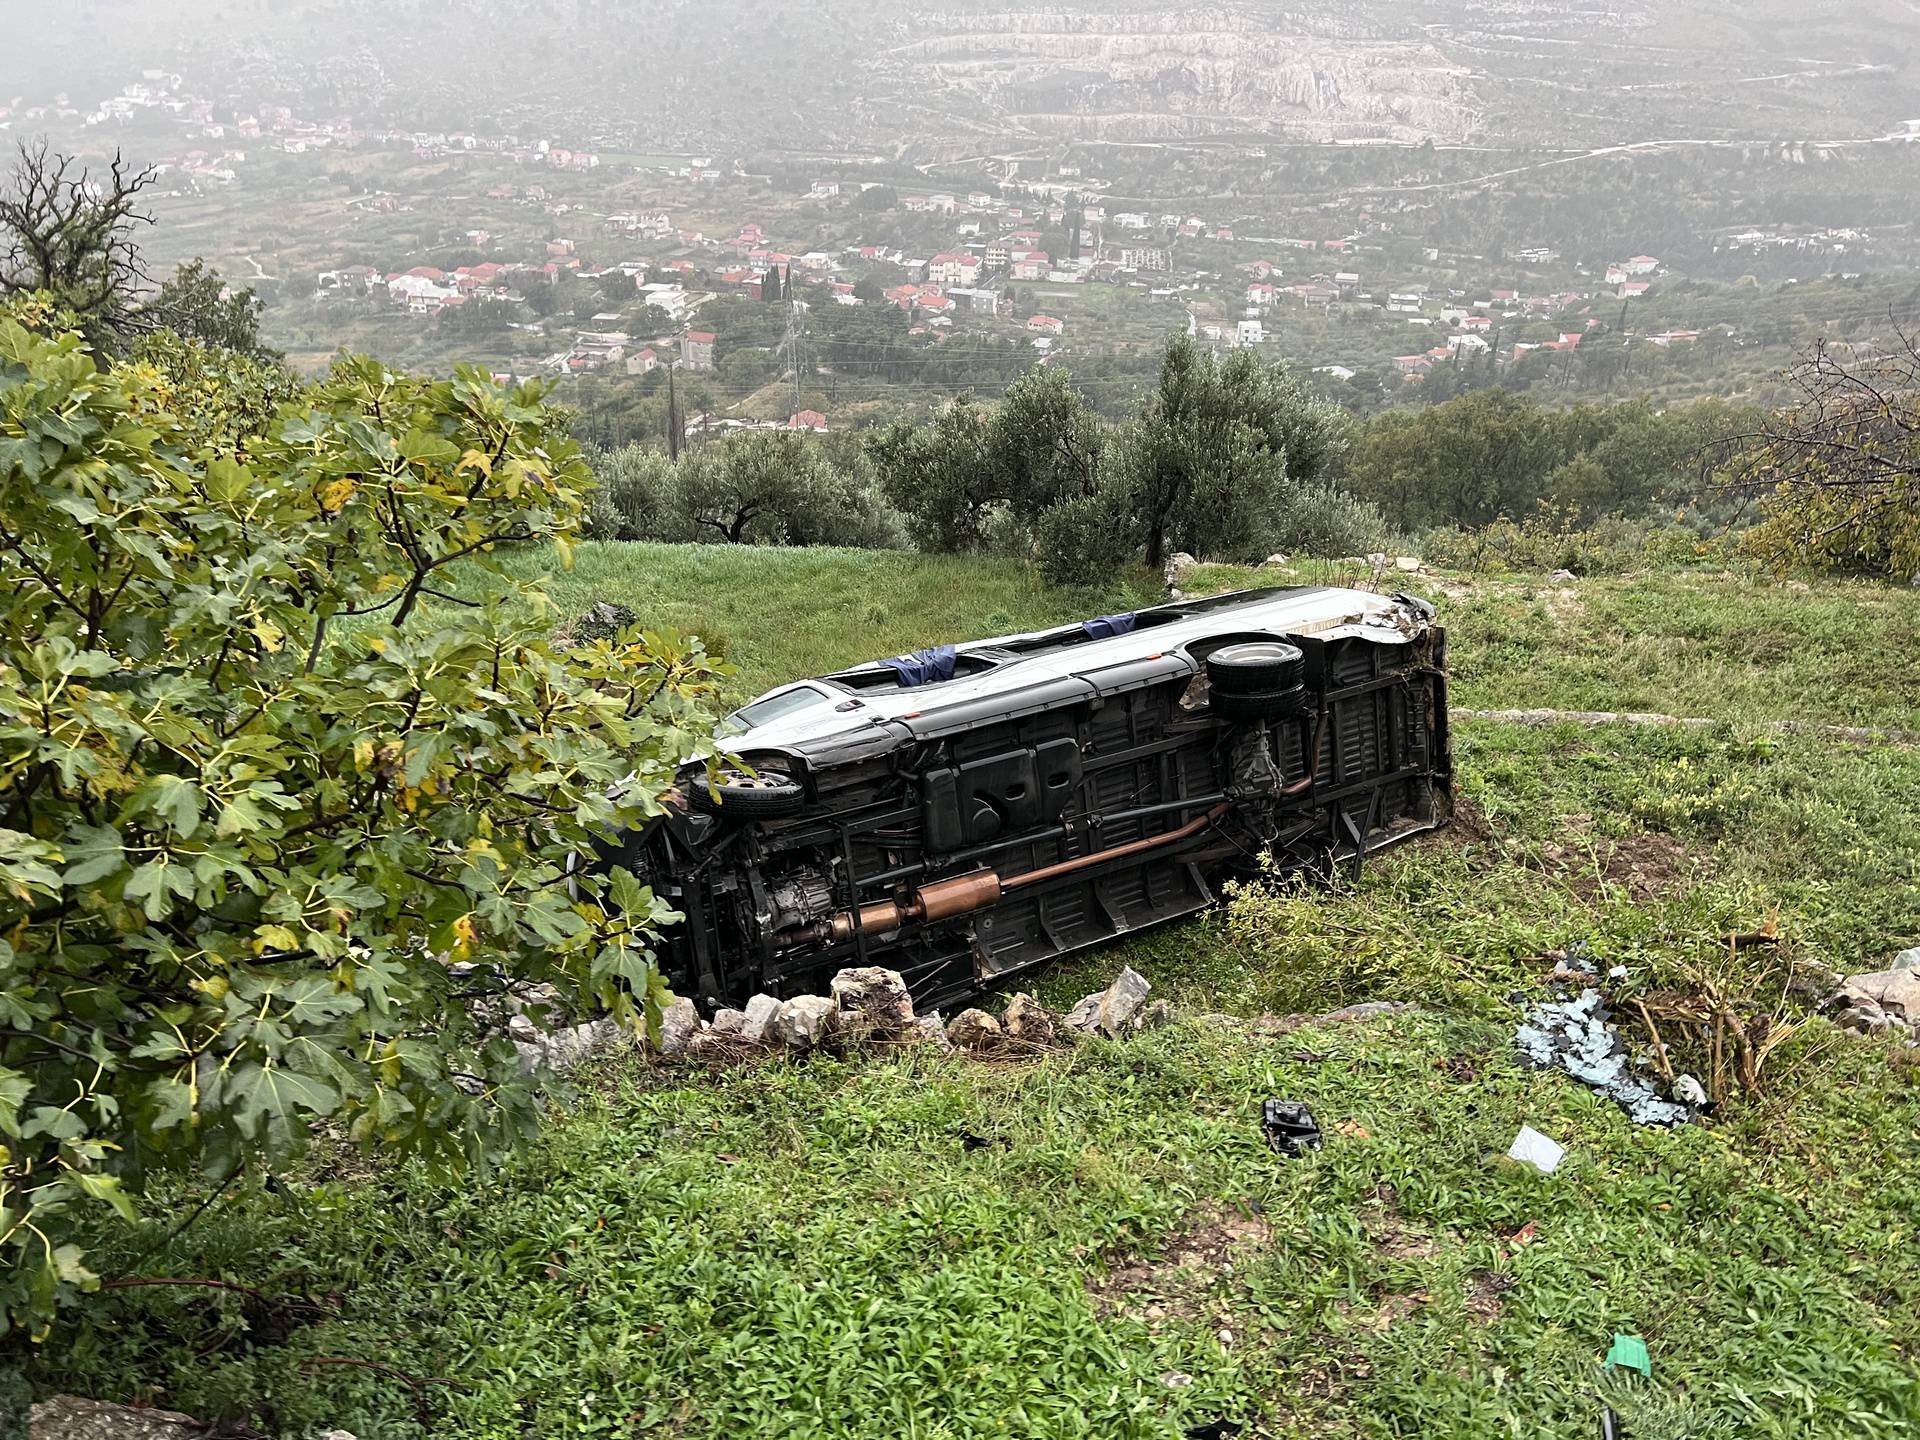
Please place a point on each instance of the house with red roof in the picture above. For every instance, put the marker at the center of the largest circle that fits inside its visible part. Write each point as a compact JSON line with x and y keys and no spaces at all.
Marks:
{"x":1046,"y":325}
{"x":808,"y":420}
{"x":953,"y":267}
{"x":696,"y":350}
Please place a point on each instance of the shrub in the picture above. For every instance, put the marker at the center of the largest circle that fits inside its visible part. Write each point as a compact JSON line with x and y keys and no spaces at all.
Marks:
{"x":1324,"y":520}
{"x":258,"y":794}
{"x":1548,"y":540}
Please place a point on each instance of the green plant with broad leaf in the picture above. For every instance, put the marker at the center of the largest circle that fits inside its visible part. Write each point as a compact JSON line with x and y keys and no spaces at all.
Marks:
{"x":292,"y":785}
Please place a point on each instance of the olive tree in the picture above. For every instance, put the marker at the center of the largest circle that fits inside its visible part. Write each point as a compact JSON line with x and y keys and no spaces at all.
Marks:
{"x":292,"y":787}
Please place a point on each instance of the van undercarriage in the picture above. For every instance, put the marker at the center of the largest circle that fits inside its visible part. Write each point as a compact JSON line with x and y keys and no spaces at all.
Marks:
{"x":964,"y":844}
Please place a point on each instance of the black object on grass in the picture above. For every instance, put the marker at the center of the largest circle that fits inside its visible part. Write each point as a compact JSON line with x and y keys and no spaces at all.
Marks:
{"x":1291,"y":1129}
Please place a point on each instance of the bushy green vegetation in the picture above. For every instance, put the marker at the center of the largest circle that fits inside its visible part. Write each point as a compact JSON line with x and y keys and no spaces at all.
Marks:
{"x":1490,"y":454}
{"x":257,"y":797}
{"x":762,"y":488}
{"x":816,"y":1248}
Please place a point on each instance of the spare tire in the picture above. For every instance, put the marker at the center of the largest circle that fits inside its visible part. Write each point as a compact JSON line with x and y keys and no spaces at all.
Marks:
{"x":1256,"y":665}
{"x":735,"y":795}
{"x":1257,"y":679}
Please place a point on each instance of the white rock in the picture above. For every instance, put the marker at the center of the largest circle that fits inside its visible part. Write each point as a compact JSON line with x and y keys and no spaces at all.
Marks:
{"x":1882,"y":998}
{"x":872,"y":1001}
{"x":1560,"y":577}
{"x":523,"y":1030}
{"x":68,"y":1417}
{"x":677,"y":1024}
{"x":1408,"y":563}
{"x":1906,"y":960}
{"x":1156,"y":1016}
{"x":1275,"y":561}
{"x":1110,"y":1009}
{"x":932,"y":1030}
{"x":1027,"y":1019}
{"x":974,"y":1030}
{"x":729,"y":1022}
{"x":757,"y":1027}
{"x":802,"y":1021}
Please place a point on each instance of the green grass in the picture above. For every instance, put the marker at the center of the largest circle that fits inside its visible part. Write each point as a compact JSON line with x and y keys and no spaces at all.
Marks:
{"x":808,"y":1249}
{"x":811,"y":1250}
{"x":779,"y":614}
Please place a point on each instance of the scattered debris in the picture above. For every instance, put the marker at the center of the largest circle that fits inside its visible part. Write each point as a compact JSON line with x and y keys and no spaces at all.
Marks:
{"x":1290,"y":1128}
{"x":1561,"y":577}
{"x":1110,"y":1009}
{"x":1176,"y":1379}
{"x":1578,"y":1036}
{"x":1689,"y":1091}
{"x":1216,"y":1430}
{"x":1530,"y":1147}
{"x":1629,"y":1352}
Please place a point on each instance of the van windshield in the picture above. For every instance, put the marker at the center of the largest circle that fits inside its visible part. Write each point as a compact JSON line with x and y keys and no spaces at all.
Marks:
{"x":774,"y":707}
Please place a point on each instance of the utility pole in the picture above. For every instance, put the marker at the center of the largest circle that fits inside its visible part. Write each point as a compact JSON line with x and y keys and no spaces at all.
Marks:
{"x":673,"y":416}
{"x":790,"y":342}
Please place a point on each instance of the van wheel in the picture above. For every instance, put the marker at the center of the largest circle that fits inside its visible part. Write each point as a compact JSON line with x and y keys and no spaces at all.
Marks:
{"x":737,"y":796}
{"x":1257,"y":680}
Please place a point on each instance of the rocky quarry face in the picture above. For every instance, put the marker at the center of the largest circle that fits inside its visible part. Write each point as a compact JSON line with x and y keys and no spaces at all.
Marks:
{"x":1178,"y":73}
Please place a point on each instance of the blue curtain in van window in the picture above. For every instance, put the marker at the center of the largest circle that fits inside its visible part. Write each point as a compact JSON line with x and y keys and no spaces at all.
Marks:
{"x":1105,"y":627}
{"x":923,"y":667}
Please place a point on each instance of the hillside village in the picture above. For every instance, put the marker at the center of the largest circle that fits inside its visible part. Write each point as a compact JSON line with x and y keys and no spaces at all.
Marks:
{"x":1048,"y":262}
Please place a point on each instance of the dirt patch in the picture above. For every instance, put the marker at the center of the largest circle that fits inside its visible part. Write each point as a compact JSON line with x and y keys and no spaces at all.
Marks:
{"x":1485,"y":1292}
{"x":1176,"y":1283}
{"x":1468,"y":826}
{"x":1646,"y":863}
{"x":1388,"y":1231}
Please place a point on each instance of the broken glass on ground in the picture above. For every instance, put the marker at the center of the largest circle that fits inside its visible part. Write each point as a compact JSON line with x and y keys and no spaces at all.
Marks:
{"x":1578,"y":1036}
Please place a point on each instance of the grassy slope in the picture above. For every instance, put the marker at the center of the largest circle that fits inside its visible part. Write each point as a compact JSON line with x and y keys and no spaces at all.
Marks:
{"x":811,"y":1249}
